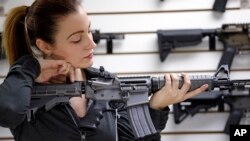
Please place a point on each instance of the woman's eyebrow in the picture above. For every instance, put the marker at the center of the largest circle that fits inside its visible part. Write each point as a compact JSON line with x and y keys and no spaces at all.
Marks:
{"x":80,"y":31}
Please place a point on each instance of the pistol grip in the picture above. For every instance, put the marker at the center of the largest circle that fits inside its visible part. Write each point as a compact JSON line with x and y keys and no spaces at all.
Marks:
{"x":227,"y":56}
{"x":141,"y":121}
{"x":234,"y":119}
{"x":93,"y":116}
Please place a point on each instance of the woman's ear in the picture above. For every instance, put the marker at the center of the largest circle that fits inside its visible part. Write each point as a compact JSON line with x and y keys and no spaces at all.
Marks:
{"x":44,"y":47}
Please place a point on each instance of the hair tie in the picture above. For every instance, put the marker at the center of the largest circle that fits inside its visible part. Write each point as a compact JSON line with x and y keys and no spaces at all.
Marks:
{"x":27,"y":10}
{"x":26,"y":26}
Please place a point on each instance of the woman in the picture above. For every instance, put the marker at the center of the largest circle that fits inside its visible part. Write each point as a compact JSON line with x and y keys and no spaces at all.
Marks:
{"x":49,"y":42}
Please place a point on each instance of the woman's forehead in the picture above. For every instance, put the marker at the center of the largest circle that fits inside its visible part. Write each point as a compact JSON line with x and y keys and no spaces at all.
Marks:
{"x":73,"y":22}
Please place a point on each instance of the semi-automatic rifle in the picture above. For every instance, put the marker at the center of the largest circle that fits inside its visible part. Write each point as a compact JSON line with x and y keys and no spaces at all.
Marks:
{"x":133,"y":91}
{"x":235,"y":38}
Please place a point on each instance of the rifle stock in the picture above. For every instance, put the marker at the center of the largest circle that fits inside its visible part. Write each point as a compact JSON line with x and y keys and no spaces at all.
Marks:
{"x":169,"y":39}
{"x":190,"y":107}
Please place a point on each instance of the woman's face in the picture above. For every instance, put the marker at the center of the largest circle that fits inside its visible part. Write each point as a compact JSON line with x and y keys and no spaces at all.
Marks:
{"x":73,"y":40}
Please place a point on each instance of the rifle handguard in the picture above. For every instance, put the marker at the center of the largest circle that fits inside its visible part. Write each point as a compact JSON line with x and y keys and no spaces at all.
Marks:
{"x":197,"y":81}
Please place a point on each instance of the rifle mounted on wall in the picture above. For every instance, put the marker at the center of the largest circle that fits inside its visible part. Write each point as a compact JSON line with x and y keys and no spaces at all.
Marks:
{"x":235,"y":38}
{"x":109,"y":37}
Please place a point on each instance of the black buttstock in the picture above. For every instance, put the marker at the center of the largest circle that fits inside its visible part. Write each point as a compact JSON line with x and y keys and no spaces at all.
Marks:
{"x":220,"y":5}
{"x":204,"y":101}
{"x":43,"y":93}
{"x":169,"y":39}
{"x":47,"y":96}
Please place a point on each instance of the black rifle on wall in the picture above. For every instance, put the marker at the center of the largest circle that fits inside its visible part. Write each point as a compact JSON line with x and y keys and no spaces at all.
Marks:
{"x":219,"y":5}
{"x":235,"y":38}
{"x":109,"y":37}
{"x":237,"y":100}
{"x":132,"y":91}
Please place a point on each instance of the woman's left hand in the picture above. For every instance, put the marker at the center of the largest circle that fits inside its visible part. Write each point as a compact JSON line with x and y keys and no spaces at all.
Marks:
{"x":171,"y":93}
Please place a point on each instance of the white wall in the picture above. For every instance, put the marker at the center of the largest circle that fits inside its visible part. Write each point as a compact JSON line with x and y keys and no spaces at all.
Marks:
{"x":138,"y":53}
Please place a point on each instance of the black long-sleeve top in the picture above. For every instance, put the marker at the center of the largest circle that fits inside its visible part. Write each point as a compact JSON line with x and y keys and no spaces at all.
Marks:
{"x":57,"y":123}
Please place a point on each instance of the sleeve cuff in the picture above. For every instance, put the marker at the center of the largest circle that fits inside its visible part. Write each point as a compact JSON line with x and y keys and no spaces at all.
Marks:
{"x":159,"y":117}
{"x":29,"y":65}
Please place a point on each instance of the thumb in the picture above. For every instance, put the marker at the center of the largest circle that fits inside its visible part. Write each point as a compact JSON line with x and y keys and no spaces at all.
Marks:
{"x":78,"y":75}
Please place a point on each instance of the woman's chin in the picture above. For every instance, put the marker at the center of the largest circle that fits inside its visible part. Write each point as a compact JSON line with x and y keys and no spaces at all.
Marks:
{"x":86,"y":65}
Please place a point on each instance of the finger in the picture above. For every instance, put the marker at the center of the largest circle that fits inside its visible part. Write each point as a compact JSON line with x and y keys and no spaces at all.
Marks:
{"x":168,"y":82}
{"x":196,"y":91}
{"x":175,"y":81}
{"x":65,"y":68}
{"x":187,"y":83}
{"x":52,"y":64}
{"x":79,"y":105}
{"x":62,"y":68}
{"x":55,"y":81}
{"x":58,"y":79}
{"x":57,"y":63}
{"x":78,"y":75}
{"x":72,"y":75}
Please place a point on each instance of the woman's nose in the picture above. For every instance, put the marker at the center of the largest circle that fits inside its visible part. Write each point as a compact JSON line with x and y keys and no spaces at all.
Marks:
{"x":92,"y":44}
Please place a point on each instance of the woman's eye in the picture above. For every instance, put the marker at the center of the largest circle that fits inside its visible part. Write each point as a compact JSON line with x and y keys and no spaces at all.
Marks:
{"x":76,"y":39}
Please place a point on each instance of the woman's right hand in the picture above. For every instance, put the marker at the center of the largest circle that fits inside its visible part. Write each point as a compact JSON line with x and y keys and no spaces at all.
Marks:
{"x":56,"y":71}
{"x":52,"y":69}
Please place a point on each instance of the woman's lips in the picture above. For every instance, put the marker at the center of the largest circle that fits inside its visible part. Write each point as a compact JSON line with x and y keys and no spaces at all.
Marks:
{"x":89,"y":56}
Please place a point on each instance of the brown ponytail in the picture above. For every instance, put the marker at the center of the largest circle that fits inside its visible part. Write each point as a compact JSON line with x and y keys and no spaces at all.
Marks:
{"x":14,"y":36}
